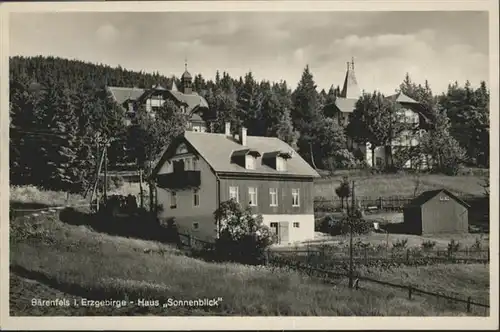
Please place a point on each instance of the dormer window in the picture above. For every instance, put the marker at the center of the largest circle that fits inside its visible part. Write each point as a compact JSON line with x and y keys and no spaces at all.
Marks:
{"x":277,"y":160}
{"x":246,"y":158}
{"x":250,"y":162}
{"x":280,"y":164}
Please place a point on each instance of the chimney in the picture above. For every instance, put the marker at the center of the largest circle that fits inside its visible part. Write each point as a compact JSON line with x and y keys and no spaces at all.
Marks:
{"x":228,"y":129}
{"x":243,"y":136}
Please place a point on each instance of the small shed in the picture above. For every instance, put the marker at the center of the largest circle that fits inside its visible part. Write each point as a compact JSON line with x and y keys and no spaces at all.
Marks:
{"x":436,"y":211}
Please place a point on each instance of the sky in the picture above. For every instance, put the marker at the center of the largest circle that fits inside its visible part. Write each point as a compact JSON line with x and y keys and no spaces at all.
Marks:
{"x":441,"y":47}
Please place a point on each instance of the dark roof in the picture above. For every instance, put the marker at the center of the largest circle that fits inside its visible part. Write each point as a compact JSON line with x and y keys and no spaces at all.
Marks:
{"x":186,"y":75}
{"x":192,"y":100}
{"x":121,"y":94}
{"x":244,"y":152}
{"x":217,"y":149}
{"x":428,"y":195}
{"x":274,"y":154}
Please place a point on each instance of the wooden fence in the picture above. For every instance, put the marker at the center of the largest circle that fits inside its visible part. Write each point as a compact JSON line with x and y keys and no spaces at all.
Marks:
{"x":327,"y":256}
{"x":393,"y":203}
{"x":190,"y":241}
{"x":411,"y":290}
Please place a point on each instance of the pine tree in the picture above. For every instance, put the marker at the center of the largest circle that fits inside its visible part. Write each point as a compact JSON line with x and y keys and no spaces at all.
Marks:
{"x":61,"y":155}
{"x":444,"y":151}
{"x":305,"y":101}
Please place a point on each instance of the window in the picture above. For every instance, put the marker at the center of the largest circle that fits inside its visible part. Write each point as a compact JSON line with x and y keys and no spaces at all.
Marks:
{"x":273,"y":195}
{"x":196,"y":197}
{"x":187,"y":164}
{"x":296,"y":225}
{"x":252,"y":195}
{"x":274,"y":225}
{"x":233,"y":194}
{"x":196,"y":225}
{"x":173,"y":200}
{"x":250,"y":162}
{"x":280,"y":164}
{"x":195,"y":164}
{"x":295,"y":197}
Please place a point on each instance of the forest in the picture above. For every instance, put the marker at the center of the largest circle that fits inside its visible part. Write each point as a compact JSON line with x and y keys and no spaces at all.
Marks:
{"x":60,"y":113}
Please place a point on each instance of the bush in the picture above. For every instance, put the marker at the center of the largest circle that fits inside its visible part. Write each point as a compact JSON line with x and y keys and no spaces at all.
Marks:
{"x":400,"y":244}
{"x":453,"y":246}
{"x":324,"y":205}
{"x":340,"y":225}
{"x":119,"y":204}
{"x":428,"y":245}
{"x":242,"y":237}
{"x":477,"y":246}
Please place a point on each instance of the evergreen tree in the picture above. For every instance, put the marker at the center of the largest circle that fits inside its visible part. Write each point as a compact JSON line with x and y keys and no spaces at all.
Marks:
{"x":444,"y":151}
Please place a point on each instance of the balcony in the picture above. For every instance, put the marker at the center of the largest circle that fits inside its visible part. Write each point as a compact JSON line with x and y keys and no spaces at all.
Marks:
{"x":179,"y":180}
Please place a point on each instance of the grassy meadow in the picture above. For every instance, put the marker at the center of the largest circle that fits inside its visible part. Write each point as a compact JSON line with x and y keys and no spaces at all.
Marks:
{"x":50,"y":258}
{"x":388,"y":185}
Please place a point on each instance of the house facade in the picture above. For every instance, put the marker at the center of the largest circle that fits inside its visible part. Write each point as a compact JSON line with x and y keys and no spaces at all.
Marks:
{"x":413,"y":114}
{"x":200,"y":170}
{"x":188,"y":101}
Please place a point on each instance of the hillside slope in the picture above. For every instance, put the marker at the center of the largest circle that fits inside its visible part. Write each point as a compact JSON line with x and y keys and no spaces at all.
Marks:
{"x":56,"y":258}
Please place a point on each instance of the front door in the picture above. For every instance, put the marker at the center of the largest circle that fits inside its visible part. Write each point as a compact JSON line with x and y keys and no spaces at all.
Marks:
{"x":283,"y":232}
{"x":274,"y":228}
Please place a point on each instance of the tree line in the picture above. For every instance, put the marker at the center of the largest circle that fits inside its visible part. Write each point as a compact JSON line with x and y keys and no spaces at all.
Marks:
{"x":60,"y":110}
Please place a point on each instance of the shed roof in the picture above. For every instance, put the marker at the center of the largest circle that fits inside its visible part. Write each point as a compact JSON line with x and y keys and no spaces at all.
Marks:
{"x":428,"y":195}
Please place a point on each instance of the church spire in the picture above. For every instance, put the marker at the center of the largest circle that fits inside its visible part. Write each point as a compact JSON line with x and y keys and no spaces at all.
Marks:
{"x":187,"y":80}
{"x":350,"y":88}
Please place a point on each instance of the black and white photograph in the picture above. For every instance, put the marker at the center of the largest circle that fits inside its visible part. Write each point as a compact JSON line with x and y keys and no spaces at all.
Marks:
{"x":206,"y":159}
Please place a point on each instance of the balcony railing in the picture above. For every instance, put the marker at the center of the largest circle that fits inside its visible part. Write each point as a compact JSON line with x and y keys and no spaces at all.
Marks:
{"x":179,"y":180}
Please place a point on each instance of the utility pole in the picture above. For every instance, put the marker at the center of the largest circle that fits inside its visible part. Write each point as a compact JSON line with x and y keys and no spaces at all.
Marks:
{"x":351,"y":216}
{"x":106,"y":172}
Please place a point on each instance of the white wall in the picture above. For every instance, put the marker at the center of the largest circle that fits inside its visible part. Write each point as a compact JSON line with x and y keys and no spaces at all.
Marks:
{"x":306,"y":225}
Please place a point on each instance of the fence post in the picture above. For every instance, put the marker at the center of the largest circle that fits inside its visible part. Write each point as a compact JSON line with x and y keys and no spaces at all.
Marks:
{"x":469,"y":300}
{"x":409,"y":292}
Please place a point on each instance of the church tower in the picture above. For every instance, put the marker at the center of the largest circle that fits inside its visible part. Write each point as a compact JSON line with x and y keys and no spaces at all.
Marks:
{"x":350,"y":89}
{"x":187,"y":81}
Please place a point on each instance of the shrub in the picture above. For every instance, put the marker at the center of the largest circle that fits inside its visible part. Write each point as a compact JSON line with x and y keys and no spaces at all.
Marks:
{"x":428,"y":245}
{"x":354,"y":222}
{"x":453,"y":246}
{"x":344,"y":190}
{"x":400,"y":244}
{"x":324,"y":205}
{"x":242,"y":237}
{"x":477,"y":246}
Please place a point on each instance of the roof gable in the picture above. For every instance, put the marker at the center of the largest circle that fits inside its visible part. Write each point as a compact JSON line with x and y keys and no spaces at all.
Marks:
{"x":402,"y":98}
{"x":428,"y":195}
{"x":121,"y":94}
